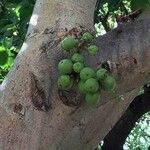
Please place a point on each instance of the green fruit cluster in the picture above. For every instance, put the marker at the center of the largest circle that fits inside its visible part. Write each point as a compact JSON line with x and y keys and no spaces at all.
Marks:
{"x":73,"y":71}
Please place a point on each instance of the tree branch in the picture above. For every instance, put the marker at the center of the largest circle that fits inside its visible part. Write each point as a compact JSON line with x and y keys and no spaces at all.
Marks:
{"x":115,"y":139}
{"x":125,"y":51}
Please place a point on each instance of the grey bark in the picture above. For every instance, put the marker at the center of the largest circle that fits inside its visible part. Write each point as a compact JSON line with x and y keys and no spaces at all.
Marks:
{"x":34,"y":75}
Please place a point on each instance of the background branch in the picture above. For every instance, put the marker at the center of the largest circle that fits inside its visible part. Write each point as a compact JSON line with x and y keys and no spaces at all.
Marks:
{"x":115,"y":139}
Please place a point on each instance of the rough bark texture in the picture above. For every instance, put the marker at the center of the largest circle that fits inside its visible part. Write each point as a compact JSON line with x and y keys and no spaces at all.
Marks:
{"x":32,"y":116}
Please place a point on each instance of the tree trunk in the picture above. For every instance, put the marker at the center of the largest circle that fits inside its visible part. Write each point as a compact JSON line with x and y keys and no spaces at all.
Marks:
{"x":32,"y":114}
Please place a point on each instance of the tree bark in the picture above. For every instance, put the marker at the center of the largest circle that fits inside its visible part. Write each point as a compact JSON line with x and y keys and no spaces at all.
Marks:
{"x":115,"y":139}
{"x":32,"y":116}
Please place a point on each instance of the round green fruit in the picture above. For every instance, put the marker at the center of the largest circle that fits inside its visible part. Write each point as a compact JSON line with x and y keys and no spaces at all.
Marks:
{"x":87,"y":73}
{"x":65,"y":66}
{"x":92,"y":49}
{"x":81,"y":87}
{"x":77,"y":67}
{"x":108,"y":83}
{"x":69,"y":43}
{"x":91,"y":85}
{"x":3,"y":57}
{"x":87,"y":37}
{"x":92,"y":98}
{"x":101,"y":74}
{"x":77,"y":58}
{"x":64,"y":82}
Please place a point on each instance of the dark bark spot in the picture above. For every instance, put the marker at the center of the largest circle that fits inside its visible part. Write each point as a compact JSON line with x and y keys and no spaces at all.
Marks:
{"x":120,"y":31}
{"x":117,"y":65}
{"x":49,"y":31}
{"x":18,"y":67}
{"x":17,"y":108}
{"x":135,"y":61}
{"x":106,"y":66}
{"x":70,"y":97}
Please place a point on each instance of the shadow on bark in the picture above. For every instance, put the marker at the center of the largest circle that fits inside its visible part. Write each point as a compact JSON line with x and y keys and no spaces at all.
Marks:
{"x":115,"y":139}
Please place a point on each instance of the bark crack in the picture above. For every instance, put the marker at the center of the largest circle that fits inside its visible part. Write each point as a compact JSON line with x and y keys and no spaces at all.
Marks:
{"x":38,"y":96}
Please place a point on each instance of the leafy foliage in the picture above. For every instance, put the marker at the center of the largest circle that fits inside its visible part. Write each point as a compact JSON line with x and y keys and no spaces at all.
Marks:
{"x":109,"y":12}
{"x":14,"y":20}
{"x":139,"y":138}
{"x":138,"y":4}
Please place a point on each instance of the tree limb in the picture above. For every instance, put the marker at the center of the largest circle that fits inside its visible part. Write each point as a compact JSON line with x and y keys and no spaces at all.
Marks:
{"x":115,"y":139}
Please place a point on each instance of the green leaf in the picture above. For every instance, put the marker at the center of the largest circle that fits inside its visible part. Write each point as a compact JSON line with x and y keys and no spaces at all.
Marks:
{"x":113,"y":5}
{"x":140,"y":4}
{"x":8,"y":42}
{"x":3,"y":56}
